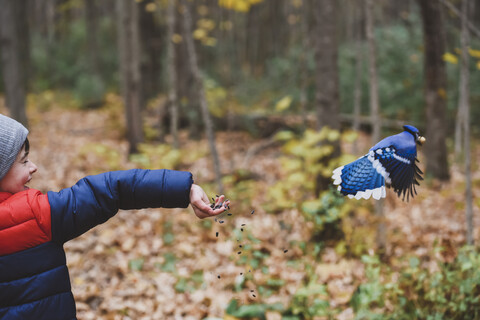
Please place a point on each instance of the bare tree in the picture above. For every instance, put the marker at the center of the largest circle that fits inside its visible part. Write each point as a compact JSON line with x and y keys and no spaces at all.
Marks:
{"x":381,"y":236}
{"x":193,"y":63}
{"x":129,"y":49}
{"x":357,"y":91}
{"x":435,"y":88}
{"x":326,"y":75}
{"x":172,"y":73}
{"x":15,"y":56}
{"x":464,"y":113}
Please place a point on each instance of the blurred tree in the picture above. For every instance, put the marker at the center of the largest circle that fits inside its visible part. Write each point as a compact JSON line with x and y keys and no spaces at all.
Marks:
{"x":464,"y":113}
{"x":152,"y":44}
{"x":435,"y":89}
{"x":206,"y":117}
{"x":326,"y":73}
{"x":14,"y":44}
{"x":357,"y":30}
{"x":381,"y":236}
{"x":172,"y":72}
{"x":129,"y":50}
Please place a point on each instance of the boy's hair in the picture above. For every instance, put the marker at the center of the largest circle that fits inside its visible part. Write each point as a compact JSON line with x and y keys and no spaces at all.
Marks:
{"x":13,"y":137}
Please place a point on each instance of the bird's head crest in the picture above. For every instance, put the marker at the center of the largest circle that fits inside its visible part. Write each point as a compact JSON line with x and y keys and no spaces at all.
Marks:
{"x":415,"y":133}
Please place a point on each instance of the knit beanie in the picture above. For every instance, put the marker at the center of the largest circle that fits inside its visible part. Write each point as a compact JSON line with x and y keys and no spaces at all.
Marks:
{"x":12,"y":137}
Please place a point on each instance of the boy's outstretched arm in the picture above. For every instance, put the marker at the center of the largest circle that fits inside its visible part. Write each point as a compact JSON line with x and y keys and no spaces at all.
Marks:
{"x":201,"y":205}
{"x":94,"y":199}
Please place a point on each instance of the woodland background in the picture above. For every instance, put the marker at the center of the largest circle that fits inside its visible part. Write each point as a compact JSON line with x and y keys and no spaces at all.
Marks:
{"x":260,"y":100}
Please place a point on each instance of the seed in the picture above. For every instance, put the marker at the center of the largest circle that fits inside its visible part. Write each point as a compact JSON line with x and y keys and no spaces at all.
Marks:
{"x":285,"y":251}
{"x":216,"y":234}
{"x":252,"y":212}
{"x":254,"y":296}
{"x":218,"y":276}
{"x":239,"y":252}
{"x":240,"y":246}
{"x":252,"y":290}
{"x":241,"y":273}
{"x":222,"y":221}
{"x":229,"y":214}
{"x":243,"y":224}
{"x":241,"y":229}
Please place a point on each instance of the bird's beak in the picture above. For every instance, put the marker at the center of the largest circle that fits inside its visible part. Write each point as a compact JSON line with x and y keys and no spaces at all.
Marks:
{"x":421,"y":140}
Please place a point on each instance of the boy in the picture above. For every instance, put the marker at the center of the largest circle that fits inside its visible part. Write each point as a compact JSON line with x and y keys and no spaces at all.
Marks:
{"x":34,"y":280}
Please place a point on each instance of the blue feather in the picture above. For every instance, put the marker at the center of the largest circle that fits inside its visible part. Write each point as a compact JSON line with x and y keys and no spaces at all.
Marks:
{"x":390,"y":163}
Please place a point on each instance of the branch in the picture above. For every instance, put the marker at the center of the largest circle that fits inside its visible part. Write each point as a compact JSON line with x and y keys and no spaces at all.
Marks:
{"x":461,"y":16}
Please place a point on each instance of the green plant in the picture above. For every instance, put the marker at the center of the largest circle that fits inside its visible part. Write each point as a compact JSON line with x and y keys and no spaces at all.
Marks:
{"x":450,"y":291}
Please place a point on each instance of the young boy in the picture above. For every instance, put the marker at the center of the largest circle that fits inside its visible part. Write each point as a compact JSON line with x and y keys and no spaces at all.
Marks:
{"x":34,"y":279}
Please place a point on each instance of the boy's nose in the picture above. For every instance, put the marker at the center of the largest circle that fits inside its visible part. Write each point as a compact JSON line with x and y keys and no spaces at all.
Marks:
{"x":33,"y":167}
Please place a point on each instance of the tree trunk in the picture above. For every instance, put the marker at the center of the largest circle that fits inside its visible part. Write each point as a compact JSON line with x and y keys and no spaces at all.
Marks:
{"x":372,"y":71}
{"x":357,"y":91}
{"x":193,"y":62}
{"x":381,"y":236}
{"x":15,"y":56}
{"x":172,"y":73}
{"x":129,"y":49}
{"x":326,"y":55}
{"x":464,"y":112}
{"x":435,"y":89}
{"x":327,"y":84}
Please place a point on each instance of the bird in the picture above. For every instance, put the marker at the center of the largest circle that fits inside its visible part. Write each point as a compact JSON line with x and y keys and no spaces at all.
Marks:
{"x":392,"y":163}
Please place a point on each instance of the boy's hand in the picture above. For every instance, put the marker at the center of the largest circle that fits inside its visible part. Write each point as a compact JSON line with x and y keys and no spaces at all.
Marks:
{"x":201,"y":205}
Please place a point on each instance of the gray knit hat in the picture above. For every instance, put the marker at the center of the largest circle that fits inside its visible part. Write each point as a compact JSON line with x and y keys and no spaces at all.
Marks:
{"x":12,"y":137}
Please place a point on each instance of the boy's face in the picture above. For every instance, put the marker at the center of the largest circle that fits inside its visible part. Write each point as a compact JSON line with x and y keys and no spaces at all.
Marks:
{"x":19,"y":174}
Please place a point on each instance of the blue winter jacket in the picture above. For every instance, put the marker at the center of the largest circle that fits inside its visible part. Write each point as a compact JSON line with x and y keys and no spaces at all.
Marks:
{"x":34,"y":280}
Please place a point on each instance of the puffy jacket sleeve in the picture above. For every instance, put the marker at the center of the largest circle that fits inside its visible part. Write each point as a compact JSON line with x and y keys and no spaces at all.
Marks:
{"x":95,"y":199}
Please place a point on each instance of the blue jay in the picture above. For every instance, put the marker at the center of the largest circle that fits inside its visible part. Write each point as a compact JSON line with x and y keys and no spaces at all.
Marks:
{"x":391,"y":162}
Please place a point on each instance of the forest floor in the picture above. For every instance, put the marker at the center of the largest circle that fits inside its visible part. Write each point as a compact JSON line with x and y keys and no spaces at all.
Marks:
{"x":167,"y":264}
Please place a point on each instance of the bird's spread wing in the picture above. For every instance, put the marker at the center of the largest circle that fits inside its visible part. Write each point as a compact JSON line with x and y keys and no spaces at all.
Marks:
{"x":360,"y":179}
{"x":399,"y":170}
{"x":367,"y":176}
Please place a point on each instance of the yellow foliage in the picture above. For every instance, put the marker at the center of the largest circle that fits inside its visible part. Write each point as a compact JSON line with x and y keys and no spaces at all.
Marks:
{"x":442,"y":93}
{"x":199,"y":34}
{"x":207,"y":24}
{"x":450,"y":57}
{"x":151,"y":7}
{"x":238,"y":5}
{"x":283,"y":104}
{"x":176,"y":38}
{"x":474,"y":53}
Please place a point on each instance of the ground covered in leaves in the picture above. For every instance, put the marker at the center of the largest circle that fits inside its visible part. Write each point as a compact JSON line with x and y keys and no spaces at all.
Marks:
{"x":167,"y":264}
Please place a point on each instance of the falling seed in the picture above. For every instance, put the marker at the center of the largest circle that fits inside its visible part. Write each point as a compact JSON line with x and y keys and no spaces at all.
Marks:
{"x":241,"y":229}
{"x":222,"y":221}
{"x":217,"y":195}
{"x":240,"y":246}
{"x":243,"y":224}
{"x":239,"y":252}
{"x":254,"y":296}
{"x":216,"y":234}
{"x":285,"y":251}
{"x":228,"y":207}
{"x":241,"y":273}
{"x":252,"y":290}
{"x":252,"y":212}
{"x":229,"y":214}
{"x":218,"y":276}
{"x":213,"y":200}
